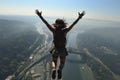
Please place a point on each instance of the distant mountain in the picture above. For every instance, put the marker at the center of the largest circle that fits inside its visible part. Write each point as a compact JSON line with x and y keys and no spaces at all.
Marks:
{"x":104,"y":43}
{"x":108,"y":37}
{"x":18,"y":40}
{"x":10,"y":28}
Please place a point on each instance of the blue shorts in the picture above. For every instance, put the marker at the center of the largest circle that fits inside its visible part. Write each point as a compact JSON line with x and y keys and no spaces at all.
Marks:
{"x":62,"y":53}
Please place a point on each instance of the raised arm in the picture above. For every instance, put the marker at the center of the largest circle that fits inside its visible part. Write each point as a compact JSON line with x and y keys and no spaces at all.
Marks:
{"x":41,"y":17}
{"x":79,"y":17}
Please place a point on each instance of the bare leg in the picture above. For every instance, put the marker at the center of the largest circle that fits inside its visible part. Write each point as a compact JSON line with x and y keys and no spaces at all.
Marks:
{"x":62,"y":62}
{"x":54,"y":63}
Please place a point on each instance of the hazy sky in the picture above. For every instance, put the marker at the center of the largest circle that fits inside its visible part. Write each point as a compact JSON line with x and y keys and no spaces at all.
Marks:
{"x":95,"y":9}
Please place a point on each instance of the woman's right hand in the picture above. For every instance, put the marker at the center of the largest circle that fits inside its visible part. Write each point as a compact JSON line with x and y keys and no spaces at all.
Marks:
{"x":81,"y":14}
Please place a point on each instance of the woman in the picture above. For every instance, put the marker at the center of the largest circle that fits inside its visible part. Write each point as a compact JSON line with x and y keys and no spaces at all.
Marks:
{"x":59,"y":30}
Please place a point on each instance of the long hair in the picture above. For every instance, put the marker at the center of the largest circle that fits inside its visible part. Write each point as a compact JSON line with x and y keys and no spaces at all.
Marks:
{"x":61,"y":22}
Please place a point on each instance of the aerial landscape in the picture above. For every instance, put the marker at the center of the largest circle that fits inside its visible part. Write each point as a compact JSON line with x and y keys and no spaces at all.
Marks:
{"x":93,"y":45}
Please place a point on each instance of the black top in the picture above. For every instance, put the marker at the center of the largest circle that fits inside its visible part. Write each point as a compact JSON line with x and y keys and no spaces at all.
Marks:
{"x":59,"y":38}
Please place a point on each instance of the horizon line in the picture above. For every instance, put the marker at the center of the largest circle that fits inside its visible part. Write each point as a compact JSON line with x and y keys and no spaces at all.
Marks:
{"x":60,"y":16}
